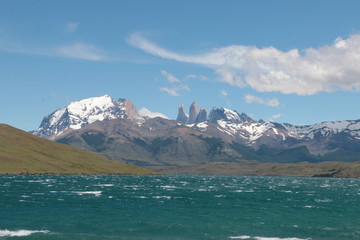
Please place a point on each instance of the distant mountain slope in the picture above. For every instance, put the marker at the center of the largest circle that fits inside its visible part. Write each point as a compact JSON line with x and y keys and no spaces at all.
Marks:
{"x":21,"y":152}
{"x":303,"y":169}
{"x":157,"y":141}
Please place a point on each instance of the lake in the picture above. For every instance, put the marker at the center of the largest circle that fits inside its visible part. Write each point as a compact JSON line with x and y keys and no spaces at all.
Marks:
{"x":178,"y":207}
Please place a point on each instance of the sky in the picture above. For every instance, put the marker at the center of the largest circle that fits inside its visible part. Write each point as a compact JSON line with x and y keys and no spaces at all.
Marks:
{"x":286,"y":61}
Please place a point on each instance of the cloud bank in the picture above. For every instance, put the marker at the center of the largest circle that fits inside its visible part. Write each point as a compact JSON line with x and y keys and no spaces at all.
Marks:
{"x":328,"y":68}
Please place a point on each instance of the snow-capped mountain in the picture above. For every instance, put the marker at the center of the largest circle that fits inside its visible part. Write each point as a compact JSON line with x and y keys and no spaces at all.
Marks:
{"x":249,"y":133}
{"x":81,"y":113}
{"x":220,"y":123}
{"x":222,"y":130}
{"x":253,"y":133}
{"x":324,"y":129}
{"x":319,"y":139}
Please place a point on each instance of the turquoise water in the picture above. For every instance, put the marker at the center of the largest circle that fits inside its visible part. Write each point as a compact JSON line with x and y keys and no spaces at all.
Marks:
{"x":178,"y":207}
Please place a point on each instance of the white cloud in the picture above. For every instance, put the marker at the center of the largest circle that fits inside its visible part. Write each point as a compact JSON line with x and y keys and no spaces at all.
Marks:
{"x":274,"y":102}
{"x":175,"y":91}
{"x":81,"y":51}
{"x":193,"y":76}
{"x":171,"y":78}
{"x":171,"y":92}
{"x":326,"y":69}
{"x":223,"y":93}
{"x":203,"y":78}
{"x":275,"y":116}
{"x":71,"y":27}
{"x":177,"y":85}
{"x":185,"y":87}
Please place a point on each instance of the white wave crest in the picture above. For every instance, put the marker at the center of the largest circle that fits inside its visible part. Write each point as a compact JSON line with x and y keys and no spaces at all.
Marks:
{"x":96,"y":193}
{"x":240,"y":237}
{"x":20,"y":233}
{"x":104,"y":185}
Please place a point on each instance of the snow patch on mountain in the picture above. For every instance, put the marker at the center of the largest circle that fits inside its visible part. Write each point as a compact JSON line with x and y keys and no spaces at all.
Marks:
{"x":324,"y":129}
{"x":231,"y":115}
{"x":57,"y":115}
{"x":91,"y":110}
{"x":246,"y":130}
{"x":199,"y":126}
{"x":146,"y":113}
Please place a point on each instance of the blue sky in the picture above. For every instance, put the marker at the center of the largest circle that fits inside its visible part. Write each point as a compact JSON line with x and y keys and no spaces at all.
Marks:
{"x":287,"y":61}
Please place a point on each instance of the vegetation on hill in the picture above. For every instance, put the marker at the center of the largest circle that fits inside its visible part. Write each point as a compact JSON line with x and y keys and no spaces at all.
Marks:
{"x":23,"y":153}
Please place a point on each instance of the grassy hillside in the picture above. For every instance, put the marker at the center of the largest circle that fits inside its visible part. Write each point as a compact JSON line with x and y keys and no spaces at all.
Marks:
{"x":21,"y":152}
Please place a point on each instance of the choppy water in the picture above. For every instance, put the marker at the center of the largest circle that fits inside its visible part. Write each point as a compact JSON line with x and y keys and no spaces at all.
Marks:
{"x":178,"y":207}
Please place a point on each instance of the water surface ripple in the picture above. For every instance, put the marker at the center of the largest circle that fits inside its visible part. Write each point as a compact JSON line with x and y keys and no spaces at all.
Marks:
{"x":178,"y":207}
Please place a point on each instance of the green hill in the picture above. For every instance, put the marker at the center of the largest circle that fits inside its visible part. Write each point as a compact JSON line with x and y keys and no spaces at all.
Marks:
{"x":21,"y":152}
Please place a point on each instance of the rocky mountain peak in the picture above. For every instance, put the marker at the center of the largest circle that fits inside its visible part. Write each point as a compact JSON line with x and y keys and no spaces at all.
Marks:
{"x":182,"y":117}
{"x":224,"y":114}
{"x":246,"y":118}
{"x":193,"y":112}
{"x":202,"y":116}
{"x":130,"y":109}
{"x":216,"y":114}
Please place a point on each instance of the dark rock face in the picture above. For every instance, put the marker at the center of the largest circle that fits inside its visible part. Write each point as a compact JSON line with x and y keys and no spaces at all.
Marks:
{"x":215,"y":115}
{"x":245,"y":118}
{"x":130,"y":109}
{"x":202,"y":116}
{"x":230,"y":116}
{"x":193,"y":112}
{"x":181,"y":115}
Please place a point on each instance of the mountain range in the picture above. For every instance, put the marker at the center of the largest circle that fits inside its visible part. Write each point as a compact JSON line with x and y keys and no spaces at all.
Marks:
{"x":117,"y":130}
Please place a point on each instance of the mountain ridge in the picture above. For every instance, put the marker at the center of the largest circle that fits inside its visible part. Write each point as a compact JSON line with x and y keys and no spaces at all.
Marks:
{"x":223,"y":135}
